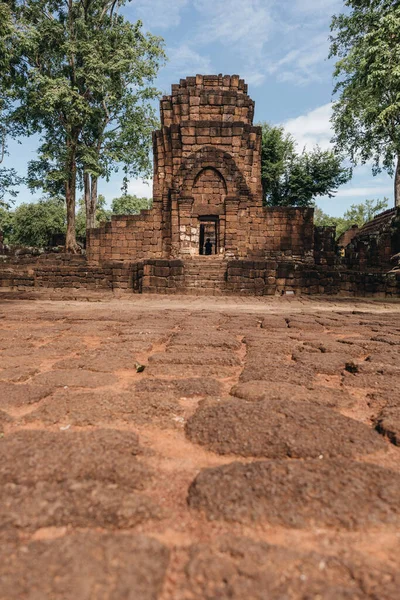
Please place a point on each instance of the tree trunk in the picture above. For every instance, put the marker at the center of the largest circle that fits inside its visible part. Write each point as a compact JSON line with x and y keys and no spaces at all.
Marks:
{"x":397,"y":184}
{"x":91,"y":203}
{"x":86,"y":193}
{"x":71,"y":244}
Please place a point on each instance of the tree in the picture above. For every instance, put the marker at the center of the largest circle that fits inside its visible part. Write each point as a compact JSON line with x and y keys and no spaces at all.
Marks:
{"x":102,"y":214}
{"x":9,"y":180}
{"x":36,"y":223}
{"x":6,"y":224}
{"x":360,"y":214}
{"x":130,"y":205}
{"x":366,"y":113}
{"x":81,"y":72}
{"x":357,"y":214}
{"x":292,"y":179}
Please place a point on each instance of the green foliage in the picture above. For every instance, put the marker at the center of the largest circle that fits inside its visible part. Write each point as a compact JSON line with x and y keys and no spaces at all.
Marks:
{"x":292,"y":179}
{"x":357,"y":214}
{"x":35,"y":224}
{"x":83,"y":79}
{"x":364,"y":212}
{"x":9,"y":180}
{"x":130,"y":205}
{"x":102,"y":214}
{"x":6,"y":224}
{"x":366,"y":114}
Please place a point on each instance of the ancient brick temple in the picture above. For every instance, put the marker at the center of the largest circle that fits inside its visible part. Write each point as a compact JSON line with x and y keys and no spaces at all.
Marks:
{"x":207,"y":185}
{"x":208,"y":231}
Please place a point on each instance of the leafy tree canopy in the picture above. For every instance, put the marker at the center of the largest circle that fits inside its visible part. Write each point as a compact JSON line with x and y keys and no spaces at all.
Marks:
{"x":295,"y":179}
{"x":36,"y":223}
{"x":9,"y":180}
{"x":366,"y":114}
{"x":130,"y":205}
{"x":82,"y":79}
{"x":6,"y":224}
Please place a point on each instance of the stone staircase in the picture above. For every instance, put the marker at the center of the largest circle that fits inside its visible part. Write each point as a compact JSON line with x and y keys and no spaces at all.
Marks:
{"x":205,"y":276}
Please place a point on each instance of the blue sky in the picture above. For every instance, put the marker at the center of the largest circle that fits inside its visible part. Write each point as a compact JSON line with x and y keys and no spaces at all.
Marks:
{"x":279,"y":47}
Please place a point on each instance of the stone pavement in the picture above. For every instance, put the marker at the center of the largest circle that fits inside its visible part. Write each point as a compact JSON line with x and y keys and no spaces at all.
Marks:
{"x":255,"y":456}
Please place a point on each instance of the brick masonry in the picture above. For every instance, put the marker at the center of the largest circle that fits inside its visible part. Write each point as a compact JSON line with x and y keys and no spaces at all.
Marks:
{"x":207,"y":168}
{"x":241,"y":277}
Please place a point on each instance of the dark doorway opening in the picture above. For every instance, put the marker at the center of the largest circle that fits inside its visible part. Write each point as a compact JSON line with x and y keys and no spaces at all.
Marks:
{"x":208,"y":238}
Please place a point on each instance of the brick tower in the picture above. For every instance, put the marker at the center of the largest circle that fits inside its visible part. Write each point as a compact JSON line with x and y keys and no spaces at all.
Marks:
{"x":207,"y":186}
{"x":207,"y":166}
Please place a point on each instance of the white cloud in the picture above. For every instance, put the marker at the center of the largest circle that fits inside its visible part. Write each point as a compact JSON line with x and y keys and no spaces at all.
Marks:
{"x":183,"y":60}
{"x":255,"y":78}
{"x":303,"y":64}
{"x":312,"y":128}
{"x":160,"y":13}
{"x":243,"y":25}
{"x":140,"y":188}
{"x":366,"y":192}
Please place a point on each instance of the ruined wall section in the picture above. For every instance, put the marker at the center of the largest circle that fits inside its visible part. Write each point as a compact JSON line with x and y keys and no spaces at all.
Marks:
{"x":127,"y":237}
{"x":208,"y":98}
{"x":375,"y":243}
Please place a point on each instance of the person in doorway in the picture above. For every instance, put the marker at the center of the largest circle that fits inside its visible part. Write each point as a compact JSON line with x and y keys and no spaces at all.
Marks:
{"x":208,"y":247}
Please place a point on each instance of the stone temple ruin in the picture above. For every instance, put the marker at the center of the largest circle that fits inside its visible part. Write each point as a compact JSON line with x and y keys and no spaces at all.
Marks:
{"x":207,"y":190}
{"x":207,"y":184}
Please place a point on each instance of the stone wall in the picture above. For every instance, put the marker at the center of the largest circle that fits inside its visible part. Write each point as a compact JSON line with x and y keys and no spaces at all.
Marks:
{"x":257,"y":232}
{"x":243,"y":277}
{"x":163,"y":276}
{"x":69,"y":271}
{"x":375,"y":243}
{"x":127,"y":238}
{"x":263,"y":278}
{"x":325,"y":246}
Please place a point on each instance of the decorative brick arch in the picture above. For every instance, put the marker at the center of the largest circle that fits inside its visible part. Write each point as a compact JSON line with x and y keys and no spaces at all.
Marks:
{"x":210,"y":157}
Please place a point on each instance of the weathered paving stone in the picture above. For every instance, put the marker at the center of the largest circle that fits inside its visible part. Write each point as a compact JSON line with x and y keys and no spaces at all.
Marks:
{"x":4,"y":418}
{"x":103,"y":455}
{"x":75,"y":503}
{"x":102,"y":360}
{"x":74,"y":378}
{"x":105,"y":406}
{"x":260,"y":344}
{"x":278,"y":428}
{"x":328,"y":493}
{"x":90,"y":478}
{"x":84,"y":566}
{"x":238,"y":568}
{"x":18,"y":374}
{"x":254,"y":391}
{"x":17,"y":395}
{"x":305,"y":323}
{"x":241,"y":323}
{"x":378,"y":380}
{"x":213,"y":339}
{"x":276,"y":371}
{"x":202,"y":358}
{"x":158,"y":370}
{"x":331,"y":363}
{"x":178,"y":388}
{"x":388,"y":423}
